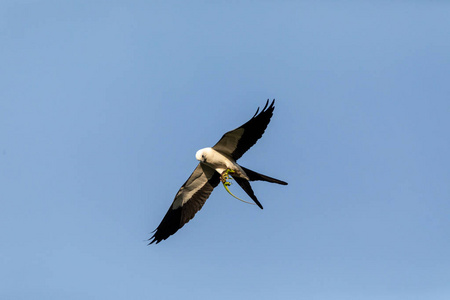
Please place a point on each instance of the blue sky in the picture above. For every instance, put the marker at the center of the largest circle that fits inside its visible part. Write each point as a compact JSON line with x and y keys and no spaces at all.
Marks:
{"x":103,"y":105}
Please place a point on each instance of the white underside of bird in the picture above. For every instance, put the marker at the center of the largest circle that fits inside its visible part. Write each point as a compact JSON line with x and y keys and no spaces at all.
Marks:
{"x":220,"y":162}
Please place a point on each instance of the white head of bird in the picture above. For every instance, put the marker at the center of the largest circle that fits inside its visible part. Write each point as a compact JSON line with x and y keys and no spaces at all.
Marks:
{"x":202,"y":154}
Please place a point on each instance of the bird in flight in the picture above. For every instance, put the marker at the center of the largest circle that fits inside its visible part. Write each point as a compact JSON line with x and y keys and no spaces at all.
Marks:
{"x":216,"y":165}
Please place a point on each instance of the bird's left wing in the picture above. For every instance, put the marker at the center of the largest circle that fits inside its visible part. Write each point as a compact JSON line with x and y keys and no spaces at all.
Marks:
{"x":236,"y":142}
{"x":188,"y":201}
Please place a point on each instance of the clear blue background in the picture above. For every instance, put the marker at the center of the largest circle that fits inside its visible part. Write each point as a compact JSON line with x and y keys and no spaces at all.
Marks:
{"x":103,"y":105}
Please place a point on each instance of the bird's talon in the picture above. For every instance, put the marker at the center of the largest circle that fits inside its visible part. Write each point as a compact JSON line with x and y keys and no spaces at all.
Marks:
{"x":225,"y":175}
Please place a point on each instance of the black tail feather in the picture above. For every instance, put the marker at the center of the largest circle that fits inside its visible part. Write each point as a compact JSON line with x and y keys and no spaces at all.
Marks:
{"x":245,"y":185}
{"x":253,"y":176}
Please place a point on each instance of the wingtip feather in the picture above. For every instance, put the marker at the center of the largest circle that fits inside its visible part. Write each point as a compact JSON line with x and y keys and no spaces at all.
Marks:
{"x":257,"y":110}
{"x":265,"y":106}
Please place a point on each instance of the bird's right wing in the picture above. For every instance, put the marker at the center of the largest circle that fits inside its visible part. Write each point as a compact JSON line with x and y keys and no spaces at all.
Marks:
{"x":188,"y":201}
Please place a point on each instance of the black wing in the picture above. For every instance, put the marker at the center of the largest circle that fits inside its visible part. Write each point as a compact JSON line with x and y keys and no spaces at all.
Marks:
{"x":188,"y":201}
{"x":236,"y":142}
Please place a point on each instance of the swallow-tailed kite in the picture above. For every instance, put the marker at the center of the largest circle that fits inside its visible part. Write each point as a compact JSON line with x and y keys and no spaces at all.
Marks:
{"x":216,"y":164}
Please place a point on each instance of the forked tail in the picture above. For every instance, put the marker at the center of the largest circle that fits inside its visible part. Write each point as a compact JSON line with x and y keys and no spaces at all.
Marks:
{"x":254,"y":176}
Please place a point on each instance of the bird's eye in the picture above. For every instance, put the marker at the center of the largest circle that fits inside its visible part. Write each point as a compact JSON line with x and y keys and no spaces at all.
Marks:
{"x":204,"y":158}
